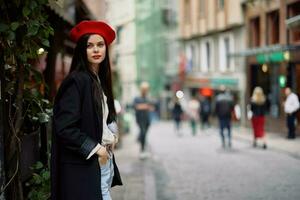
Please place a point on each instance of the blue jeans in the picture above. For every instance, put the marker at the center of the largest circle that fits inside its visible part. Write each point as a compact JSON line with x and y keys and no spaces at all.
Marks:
{"x":107,"y":173}
{"x":290,"y":121}
{"x":225,"y":123}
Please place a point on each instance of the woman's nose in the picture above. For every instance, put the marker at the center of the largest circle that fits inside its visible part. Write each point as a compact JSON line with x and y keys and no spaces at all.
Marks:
{"x":96,"y":48}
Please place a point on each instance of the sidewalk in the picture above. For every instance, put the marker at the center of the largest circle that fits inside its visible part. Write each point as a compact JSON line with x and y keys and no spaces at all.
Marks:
{"x":137,"y":175}
{"x":275,"y":141}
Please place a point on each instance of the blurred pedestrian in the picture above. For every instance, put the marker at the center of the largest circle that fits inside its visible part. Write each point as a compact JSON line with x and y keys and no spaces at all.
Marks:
{"x":257,"y":107}
{"x":177,"y":114}
{"x":143,"y":107}
{"x":205,"y":110}
{"x":223,"y":109}
{"x":193,"y":113}
{"x":84,"y":130}
{"x":291,"y":106}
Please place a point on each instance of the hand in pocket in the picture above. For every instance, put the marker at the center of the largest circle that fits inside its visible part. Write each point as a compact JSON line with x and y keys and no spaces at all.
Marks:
{"x":102,"y":160}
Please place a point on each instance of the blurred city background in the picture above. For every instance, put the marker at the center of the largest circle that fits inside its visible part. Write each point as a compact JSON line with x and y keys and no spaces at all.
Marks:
{"x":184,"y":49}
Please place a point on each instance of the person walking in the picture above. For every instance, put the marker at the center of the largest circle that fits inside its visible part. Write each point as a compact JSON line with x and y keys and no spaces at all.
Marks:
{"x":143,"y":107}
{"x":177,"y":114}
{"x":223,"y":109}
{"x":193,"y":113}
{"x":257,"y":107}
{"x":205,"y":110}
{"x":84,"y":131}
{"x":291,"y":106}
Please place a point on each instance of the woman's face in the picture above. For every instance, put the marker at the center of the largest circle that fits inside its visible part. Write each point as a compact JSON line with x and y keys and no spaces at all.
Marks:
{"x":95,"y":50}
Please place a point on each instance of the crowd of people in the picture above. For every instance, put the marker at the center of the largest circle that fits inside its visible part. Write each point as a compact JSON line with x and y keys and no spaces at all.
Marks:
{"x":200,"y":109}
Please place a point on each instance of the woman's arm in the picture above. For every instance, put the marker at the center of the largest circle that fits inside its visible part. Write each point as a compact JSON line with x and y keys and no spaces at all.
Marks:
{"x":67,"y":114}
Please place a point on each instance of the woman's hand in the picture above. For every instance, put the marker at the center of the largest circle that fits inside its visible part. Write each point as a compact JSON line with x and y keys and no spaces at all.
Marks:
{"x":103,"y":155}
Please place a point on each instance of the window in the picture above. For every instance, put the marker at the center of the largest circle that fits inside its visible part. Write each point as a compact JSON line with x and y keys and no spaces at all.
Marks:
{"x":187,"y":11}
{"x":294,"y":33}
{"x":220,"y":4}
{"x":202,"y":8}
{"x":273,"y":27}
{"x":254,"y":31}
{"x":207,"y":46}
{"x":227,"y":51}
{"x":194,"y":57}
{"x":225,"y":47}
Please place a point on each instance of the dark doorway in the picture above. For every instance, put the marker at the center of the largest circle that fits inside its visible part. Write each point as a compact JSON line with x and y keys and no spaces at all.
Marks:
{"x":266,"y":76}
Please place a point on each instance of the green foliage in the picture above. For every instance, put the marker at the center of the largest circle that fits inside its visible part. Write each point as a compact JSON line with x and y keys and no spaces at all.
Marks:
{"x":23,"y":30}
{"x":39,"y":184}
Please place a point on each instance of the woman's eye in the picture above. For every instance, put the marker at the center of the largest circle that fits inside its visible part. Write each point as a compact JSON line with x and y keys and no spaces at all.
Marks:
{"x":89,"y":46}
{"x":100,"y":45}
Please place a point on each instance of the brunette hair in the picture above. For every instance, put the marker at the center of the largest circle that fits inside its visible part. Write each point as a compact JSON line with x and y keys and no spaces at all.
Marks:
{"x":80,"y":63}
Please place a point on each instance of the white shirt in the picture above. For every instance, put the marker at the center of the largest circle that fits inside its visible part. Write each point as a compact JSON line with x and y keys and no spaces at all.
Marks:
{"x":109,"y":135}
{"x":193,"y":108}
{"x":109,"y":131}
{"x":291,"y":103}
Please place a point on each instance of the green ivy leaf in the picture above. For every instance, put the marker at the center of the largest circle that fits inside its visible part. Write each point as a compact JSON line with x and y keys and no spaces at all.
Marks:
{"x":25,"y":11}
{"x":33,"y":30}
{"x":49,"y":111}
{"x":38,"y":165}
{"x":46,"y":43}
{"x":46,"y":101}
{"x":43,"y":117}
{"x":33,"y":5}
{"x":46,"y":175}
{"x":14,"y":25}
{"x":11,"y":35}
{"x":51,"y":30}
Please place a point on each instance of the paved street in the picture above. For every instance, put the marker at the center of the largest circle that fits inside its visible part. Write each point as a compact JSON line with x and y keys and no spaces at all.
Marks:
{"x":192,"y":168}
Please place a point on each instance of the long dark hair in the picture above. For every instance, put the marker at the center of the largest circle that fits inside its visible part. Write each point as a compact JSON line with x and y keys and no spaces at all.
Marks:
{"x":80,"y":63}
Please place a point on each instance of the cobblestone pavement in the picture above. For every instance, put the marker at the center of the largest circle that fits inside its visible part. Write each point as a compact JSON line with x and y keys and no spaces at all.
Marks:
{"x":190,"y":167}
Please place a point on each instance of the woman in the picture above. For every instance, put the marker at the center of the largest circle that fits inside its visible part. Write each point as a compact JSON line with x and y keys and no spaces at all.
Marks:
{"x":177,"y":114}
{"x":193,"y":112}
{"x":82,"y":165}
{"x":257,"y":107}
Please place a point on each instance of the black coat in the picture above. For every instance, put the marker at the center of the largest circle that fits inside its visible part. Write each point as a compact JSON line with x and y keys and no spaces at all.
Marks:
{"x":258,"y":109}
{"x":76,"y":131}
{"x":224,"y":105}
{"x":177,"y":111}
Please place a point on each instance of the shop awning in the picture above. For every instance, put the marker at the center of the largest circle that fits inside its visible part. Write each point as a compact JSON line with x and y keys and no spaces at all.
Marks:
{"x":211,"y":82}
{"x":273,"y":53}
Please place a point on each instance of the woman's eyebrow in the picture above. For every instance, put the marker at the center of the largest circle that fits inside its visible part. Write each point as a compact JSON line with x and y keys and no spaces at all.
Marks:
{"x":101,"y":42}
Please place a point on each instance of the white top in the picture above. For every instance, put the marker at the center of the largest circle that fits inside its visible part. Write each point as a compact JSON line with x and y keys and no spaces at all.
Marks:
{"x":193,"y":109}
{"x":109,"y":131}
{"x":291,"y":103}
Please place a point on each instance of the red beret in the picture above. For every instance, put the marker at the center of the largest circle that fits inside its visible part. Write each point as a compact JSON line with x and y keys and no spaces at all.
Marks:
{"x":93,"y":27}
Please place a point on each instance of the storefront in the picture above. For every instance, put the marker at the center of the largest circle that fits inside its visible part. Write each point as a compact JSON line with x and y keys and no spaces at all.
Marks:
{"x":273,"y":68}
{"x":209,"y":87}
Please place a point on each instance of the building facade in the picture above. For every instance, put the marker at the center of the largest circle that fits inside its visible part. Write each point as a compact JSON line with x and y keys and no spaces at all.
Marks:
{"x":272,"y":54}
{"x":210,"y":31}
{"x":124,"y":48}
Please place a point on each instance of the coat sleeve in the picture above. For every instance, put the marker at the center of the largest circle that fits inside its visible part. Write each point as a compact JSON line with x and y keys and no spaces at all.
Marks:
{"x":67,"y":114}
